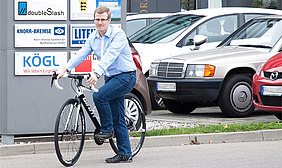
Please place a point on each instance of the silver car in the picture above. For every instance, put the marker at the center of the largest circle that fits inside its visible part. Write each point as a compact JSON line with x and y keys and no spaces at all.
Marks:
{"x":222,"y":76}
{"x":177,"y":33}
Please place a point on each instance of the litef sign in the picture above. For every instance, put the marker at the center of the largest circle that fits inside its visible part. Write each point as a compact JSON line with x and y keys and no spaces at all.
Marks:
{"x":80,"y":33}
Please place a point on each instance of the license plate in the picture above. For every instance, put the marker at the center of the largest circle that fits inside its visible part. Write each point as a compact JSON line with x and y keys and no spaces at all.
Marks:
{"x":168,"y":87}
{"x":271,"y":90}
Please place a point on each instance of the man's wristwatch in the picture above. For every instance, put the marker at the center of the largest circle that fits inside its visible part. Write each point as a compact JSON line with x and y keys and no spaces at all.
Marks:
{"x":98,"y":76}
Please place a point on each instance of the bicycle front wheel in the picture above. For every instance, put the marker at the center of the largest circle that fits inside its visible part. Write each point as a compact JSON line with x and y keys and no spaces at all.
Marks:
{"x":136,"y":124}
{"x":69,"y":133}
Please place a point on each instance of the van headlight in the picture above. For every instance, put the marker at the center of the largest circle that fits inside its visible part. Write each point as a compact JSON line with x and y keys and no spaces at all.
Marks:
{"x":200,"y":71}
{"x":154,"y":69}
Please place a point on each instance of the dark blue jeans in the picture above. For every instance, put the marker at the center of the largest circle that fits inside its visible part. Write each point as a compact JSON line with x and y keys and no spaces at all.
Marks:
{"x":109,"y":102}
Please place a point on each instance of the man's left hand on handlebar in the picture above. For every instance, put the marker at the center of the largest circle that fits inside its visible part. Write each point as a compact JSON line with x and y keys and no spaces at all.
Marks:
{"x":92,"y":80}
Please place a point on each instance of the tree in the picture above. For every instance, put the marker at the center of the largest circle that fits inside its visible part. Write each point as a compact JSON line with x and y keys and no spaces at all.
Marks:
{"x":271,"y":4}
{"x":257,"y":4}
{"x":188,"y":4}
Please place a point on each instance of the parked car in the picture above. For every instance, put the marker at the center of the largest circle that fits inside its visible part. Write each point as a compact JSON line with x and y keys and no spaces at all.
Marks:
{"x":139,"y":95}
{"x":135,"y":22}
{"x":267,"y":86}
{"x":175,"y":34}
{"x":221,"y":76}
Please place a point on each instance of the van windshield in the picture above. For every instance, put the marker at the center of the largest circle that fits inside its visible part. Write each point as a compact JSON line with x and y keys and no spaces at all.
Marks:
{"x":165,"y":29}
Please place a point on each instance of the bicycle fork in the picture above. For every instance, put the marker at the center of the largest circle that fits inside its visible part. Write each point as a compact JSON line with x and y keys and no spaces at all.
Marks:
{"x":76,"y":117}
{"x":71,"y":127}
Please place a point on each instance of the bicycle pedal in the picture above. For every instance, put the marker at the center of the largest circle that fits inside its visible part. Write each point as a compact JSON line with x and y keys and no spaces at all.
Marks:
{"x":131,"y":127}
{"x":99,"y":141}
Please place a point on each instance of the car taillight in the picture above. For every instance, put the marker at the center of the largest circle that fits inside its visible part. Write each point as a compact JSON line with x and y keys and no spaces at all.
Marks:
{"x":137,"y":60}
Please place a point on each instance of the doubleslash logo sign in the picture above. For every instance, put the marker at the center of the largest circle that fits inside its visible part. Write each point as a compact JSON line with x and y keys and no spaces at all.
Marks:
{"x":22,"y":8}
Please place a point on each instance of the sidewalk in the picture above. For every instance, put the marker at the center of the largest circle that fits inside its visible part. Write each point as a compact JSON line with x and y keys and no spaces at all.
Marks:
{"x":43,"y":144}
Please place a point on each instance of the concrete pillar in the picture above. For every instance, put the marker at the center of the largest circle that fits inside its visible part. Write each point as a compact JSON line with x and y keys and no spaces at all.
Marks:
{"x":215,"y":3}
{"x":7,"y":139}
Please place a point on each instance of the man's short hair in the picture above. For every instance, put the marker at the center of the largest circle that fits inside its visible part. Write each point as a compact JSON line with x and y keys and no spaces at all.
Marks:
{"x":102,"y":9}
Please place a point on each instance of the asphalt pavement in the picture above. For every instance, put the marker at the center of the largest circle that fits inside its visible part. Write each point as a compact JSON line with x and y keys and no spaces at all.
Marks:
{"x":262,"y":154}
{"x":204,"y":116}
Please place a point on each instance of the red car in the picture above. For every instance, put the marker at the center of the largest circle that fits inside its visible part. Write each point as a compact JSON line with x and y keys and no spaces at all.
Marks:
{"x":267,"y":86}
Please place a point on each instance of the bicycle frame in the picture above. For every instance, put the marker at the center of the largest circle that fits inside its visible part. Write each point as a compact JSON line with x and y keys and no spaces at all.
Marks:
{"x":81,"y":99}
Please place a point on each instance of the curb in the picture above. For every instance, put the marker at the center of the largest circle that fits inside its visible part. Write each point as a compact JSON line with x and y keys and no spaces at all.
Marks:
{"x":153,"y":141}
{"x":231,"y":137}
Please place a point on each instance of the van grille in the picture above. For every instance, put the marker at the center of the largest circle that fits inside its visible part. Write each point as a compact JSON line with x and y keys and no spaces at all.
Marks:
{"x":170,"y":70}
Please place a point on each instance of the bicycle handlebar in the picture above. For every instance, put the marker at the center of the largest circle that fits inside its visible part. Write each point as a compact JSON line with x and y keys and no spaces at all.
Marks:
{"x":55,"y":80}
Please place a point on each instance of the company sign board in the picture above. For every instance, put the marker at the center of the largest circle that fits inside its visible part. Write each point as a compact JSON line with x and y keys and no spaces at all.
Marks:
{"x":40,"y":10}
{"x":114,"y":5}
{"x":39,"y":63}
{"x":40,"y":35}
{"x":80,"y":33}
{"x":87,"y":66}
{"x":82,"y":9}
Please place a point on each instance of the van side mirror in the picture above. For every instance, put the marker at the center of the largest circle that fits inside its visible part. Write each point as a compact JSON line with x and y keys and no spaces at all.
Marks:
{"x":199,"y":40}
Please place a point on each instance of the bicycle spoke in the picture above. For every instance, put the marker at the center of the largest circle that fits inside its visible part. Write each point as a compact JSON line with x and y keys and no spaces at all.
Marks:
{"x":69,"y":133}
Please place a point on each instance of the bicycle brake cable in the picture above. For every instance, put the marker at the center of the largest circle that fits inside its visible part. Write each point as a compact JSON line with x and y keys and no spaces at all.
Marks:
{"x":73,"y":81}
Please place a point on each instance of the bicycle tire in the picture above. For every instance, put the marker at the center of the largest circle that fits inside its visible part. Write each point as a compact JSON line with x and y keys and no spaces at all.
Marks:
{"x":137,"y":128}
{"x":69,"y":142}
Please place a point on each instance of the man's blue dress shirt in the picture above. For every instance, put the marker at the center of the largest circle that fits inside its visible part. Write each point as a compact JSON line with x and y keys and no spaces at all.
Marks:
{"x":112,"y":51}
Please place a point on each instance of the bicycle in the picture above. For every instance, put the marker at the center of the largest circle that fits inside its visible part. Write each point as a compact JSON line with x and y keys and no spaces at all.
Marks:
{"x":70,"y":125}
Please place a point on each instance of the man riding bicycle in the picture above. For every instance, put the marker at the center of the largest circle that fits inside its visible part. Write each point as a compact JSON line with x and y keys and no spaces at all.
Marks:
{"x":110,"y":45}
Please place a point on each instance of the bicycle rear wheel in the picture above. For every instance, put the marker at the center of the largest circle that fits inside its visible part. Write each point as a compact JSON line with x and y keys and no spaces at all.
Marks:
{"x":136,"y":124}
{"x":69,"y":132}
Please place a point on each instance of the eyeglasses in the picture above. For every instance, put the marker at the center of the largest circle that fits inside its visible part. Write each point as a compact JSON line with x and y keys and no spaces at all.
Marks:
{"x":102,"y":20}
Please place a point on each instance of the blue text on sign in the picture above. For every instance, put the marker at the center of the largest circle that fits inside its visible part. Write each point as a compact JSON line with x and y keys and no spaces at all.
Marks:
{"x":37,"y":61}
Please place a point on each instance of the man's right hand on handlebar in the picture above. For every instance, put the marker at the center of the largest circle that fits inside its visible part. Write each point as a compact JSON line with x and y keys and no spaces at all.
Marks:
{"x":61,"y":72}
